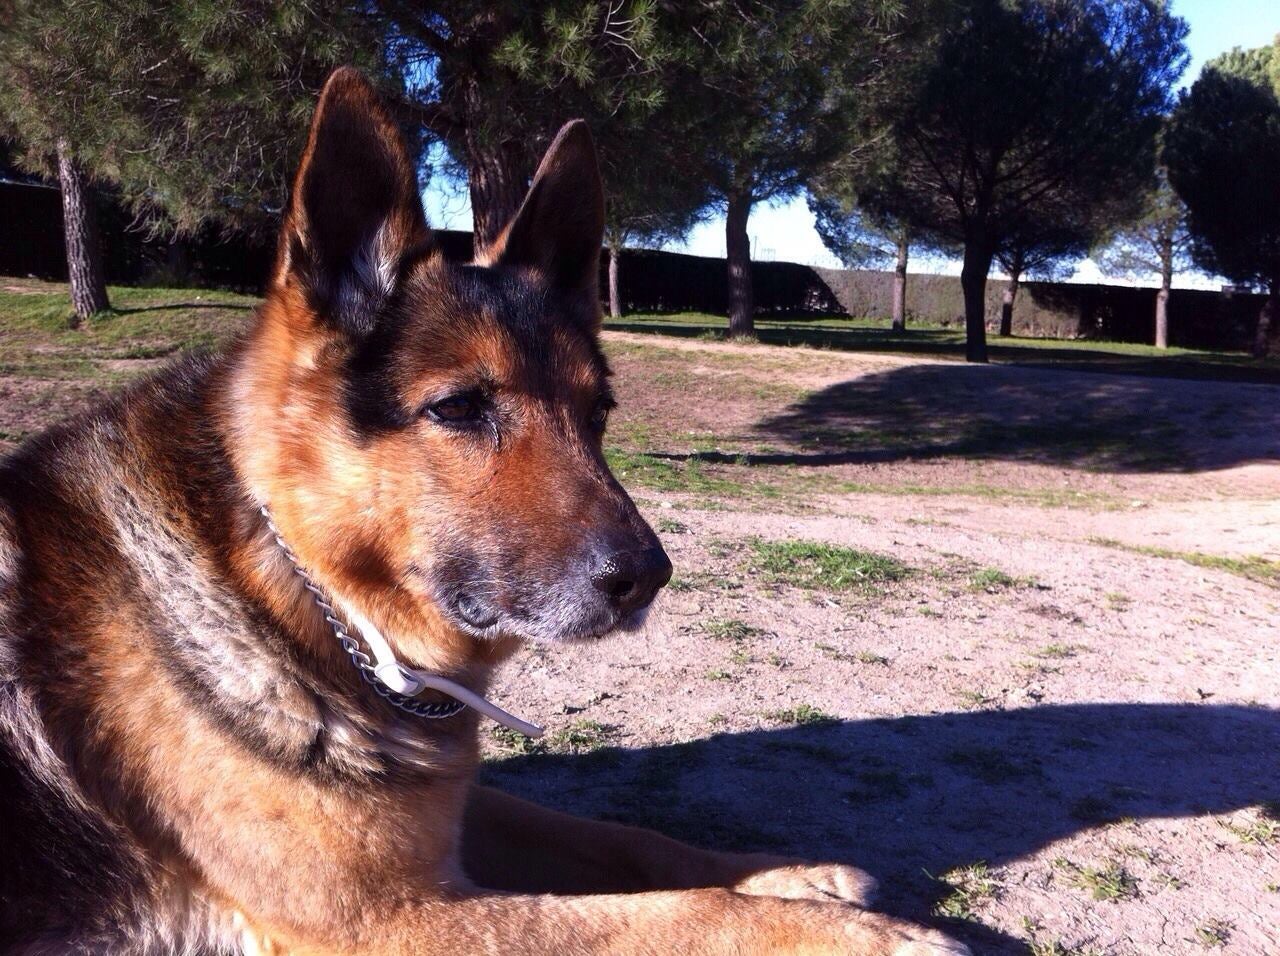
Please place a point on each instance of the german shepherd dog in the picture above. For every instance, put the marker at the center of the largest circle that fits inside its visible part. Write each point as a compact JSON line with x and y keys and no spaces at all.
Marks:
{"x":190,"y":761}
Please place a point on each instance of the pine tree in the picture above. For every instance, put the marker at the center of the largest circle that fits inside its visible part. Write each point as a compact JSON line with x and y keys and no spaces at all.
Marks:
{"x":650,"y":196}
{"x":194,"y":112}
{"x":494,"y":79}
{"x":1156,"y":241}
{"x":862,"y":240}
{"x":1223,"y":153}
{"x":42,"y":106}
{"x":786,"y":87}
{"x":1031,"y":108}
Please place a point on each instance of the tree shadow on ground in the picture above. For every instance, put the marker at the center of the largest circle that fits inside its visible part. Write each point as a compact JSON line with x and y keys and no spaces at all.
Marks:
{"x":1091,"y":422}
{"x":948,"y":343}
{"x":911,"y":796}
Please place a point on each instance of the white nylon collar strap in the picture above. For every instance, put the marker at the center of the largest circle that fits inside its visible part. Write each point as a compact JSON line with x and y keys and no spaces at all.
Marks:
{"x":410,"y":682}
{"x":394,"y":681}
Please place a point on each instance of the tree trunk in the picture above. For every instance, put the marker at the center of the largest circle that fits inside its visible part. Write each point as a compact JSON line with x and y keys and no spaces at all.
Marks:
{"x":900,"y":285}
{"x":1007,"y":302}
{"x":738,"y":253}
{"x":80,"y":230}
{"x":497,"y":183}
{"x":1162,"y":299}
{"x":973,"y":279}
{"x":615,"y":289}
{"x":497,"y":174}
{"x":177,"y":261}
{"x":1267,"y":320}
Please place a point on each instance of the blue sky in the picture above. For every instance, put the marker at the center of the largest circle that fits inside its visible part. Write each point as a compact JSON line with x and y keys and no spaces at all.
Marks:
{"x":785,"y":231}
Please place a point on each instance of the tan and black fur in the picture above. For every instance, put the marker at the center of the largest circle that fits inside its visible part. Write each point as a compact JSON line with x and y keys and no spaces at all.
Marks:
{"x":188,"y":761}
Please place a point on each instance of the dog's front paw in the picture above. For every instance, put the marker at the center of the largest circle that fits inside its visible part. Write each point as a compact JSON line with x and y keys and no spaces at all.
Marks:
{"x":827,"y":882}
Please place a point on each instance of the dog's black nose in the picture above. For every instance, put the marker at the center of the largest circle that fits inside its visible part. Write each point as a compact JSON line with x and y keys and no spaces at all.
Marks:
{"x":630,"y":579}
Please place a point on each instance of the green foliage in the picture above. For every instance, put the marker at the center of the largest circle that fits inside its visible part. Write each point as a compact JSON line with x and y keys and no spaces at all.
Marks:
{"x":1223,"y":151}
{"x":783,"y":86}
{"x":1031,"y":108}
{"x":1260,"y":66}
{"x":858,"y":238}
{"x":196,"y":110}
{"x":494,"y":79}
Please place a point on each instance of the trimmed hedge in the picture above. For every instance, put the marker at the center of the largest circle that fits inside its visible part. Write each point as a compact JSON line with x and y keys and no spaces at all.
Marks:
{"x":31,"y":244}
{"x":673,"y":282}
{"x":1062,"y":310}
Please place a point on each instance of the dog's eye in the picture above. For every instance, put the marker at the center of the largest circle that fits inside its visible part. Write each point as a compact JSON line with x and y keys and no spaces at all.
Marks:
{"x":456,"y":409}
{"x":600,"y":416}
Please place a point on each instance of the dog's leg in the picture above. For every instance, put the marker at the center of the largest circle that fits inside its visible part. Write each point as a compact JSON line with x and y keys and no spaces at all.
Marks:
{"x":707,"y":922}
{"x":511,"y":844}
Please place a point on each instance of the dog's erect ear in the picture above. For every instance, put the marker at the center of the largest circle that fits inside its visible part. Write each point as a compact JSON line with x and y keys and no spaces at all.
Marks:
{"x":355,"y":213}
{"x":560,"y":226}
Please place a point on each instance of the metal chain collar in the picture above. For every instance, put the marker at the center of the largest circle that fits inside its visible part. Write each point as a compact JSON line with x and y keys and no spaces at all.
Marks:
{"x":362,"y":661}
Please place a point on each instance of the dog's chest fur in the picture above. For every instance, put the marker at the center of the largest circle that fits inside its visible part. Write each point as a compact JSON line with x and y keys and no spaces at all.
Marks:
{"x":97,"y":539}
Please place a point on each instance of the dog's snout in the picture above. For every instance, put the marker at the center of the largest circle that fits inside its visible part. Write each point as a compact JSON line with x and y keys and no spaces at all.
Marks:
{"x":630,"y":579}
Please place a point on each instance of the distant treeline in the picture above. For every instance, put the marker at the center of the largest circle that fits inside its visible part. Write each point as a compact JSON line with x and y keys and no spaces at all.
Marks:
{"x":31,"y":243}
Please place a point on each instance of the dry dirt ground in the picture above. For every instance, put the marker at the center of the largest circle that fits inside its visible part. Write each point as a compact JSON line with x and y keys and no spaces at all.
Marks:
{"x":1007,"y":638}
{"x":1048,"y":722}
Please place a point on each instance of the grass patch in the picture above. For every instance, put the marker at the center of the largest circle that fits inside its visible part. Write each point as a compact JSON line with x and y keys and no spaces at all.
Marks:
{"x":1167,"y":881}
{"x":861,"y":657}
{"x":970,"y":887}
{"x":704,"y":581}
{"x":1111,"y":882}
{"x":947,"y":342}
{"x":1118,"y":601}
{"x":816,"y":566}
{"x":1039,"y":497}
{"x":1055,"y":947}
{"x":1058,"y":652}
{"x":1251,"y":566}
{"x":730,"y":629}
{"x":1213,"y":934}
{"x":666,"y":474}
{"x":993,"y":581}
{"x":801,"y":715}
{"x":973,"y":699}
{"x":1262,"y":830}
{"x":514,"y":743}
{"x":143,"y":323}
{"x":581,"y":737}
